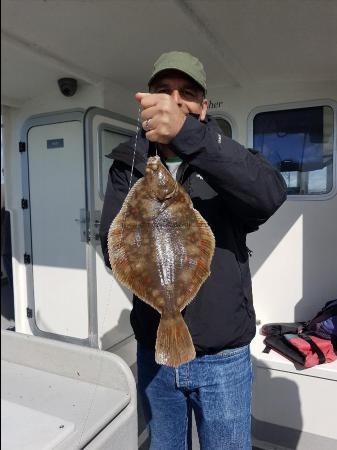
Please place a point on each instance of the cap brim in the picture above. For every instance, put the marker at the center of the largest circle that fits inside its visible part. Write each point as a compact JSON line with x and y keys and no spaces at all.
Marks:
{"x":186,"y":72}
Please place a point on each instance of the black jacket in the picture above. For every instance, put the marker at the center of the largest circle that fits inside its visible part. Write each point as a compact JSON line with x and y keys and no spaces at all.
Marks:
{"x":235,"y":190}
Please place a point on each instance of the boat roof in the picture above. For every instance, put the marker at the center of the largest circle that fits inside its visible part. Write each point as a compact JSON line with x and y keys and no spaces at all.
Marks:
{"x":240,"y":42}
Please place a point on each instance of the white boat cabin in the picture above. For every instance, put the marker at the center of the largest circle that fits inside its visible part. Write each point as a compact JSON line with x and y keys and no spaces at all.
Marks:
{"x":272,"y":85}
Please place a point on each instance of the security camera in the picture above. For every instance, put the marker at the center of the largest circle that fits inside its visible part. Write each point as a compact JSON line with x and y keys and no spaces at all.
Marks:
{"x":68,"y":86}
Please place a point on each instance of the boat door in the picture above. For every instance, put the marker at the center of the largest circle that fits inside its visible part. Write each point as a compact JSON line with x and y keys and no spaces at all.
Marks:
{"x":71,"y":295}
{"x":104,"y":131}
{"x":55,"y":226}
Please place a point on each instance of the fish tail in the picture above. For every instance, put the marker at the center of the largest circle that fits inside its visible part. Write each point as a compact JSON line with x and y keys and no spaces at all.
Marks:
{"x":174,"y":344}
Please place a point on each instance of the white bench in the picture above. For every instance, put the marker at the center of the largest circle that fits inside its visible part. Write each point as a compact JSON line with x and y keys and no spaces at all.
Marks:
{"x":57,"y":395}
{"x":292,"y":407}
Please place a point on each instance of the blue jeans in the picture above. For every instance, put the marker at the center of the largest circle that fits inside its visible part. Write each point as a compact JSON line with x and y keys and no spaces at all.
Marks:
{"x":217,"y":388}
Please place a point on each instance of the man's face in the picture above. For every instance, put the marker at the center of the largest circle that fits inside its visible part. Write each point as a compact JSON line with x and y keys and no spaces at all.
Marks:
{"x":183,"y":90}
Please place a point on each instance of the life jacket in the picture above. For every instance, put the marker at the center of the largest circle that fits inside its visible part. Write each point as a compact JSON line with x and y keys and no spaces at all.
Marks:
{"x":305,"y":343}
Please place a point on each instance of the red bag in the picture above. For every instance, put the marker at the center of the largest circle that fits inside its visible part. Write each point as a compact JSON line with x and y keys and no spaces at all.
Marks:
{"x":314,"y":349}
{"x":308,"y":351}
{"x":306,"y":343}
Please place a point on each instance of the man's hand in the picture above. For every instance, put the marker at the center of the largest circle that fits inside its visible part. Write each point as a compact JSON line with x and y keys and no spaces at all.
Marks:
{"x":162,"y":118}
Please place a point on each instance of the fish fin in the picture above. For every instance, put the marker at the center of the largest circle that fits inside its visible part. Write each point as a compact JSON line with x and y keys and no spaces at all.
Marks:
{"x":174,"y":344}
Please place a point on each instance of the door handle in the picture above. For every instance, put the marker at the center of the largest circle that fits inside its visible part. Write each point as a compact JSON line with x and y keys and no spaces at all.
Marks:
{"x":83,"y":221}
{"x":96,"y":222}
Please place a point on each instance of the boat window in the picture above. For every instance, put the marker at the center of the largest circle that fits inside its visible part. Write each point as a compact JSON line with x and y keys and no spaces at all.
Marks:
{"x":109,"y":141}
{"x":299,"y":142}
{"x":225,"y":126}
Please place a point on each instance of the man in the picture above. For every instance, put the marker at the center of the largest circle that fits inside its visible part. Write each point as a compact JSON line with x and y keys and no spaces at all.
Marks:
{"x":235,"y":190}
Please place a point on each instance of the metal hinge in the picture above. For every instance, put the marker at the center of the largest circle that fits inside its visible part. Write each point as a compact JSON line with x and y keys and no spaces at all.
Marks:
{"x":26,"y":258}
{"x":24,"y":203}
{"x":22,"y":146}
{"x":29,"y":313}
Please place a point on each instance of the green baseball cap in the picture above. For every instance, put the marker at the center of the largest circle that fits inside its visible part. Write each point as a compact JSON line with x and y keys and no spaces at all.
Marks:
{"x":182,"y":61}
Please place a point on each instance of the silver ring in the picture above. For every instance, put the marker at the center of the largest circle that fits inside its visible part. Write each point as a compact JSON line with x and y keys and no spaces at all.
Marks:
{"x":147,"y":124}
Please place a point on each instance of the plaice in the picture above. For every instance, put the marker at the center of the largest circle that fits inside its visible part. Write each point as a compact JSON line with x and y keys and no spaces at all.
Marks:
{"x":161,"y":248}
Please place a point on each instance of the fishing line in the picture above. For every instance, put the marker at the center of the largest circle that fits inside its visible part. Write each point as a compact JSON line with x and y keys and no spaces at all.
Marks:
{"x":134,"y":148}
{"x":132,"y":167}
{"x":109,"y":292}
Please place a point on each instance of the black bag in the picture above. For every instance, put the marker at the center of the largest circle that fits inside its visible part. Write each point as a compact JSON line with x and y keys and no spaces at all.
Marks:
{"x":306,"y":343}
{"x":324,"y":324}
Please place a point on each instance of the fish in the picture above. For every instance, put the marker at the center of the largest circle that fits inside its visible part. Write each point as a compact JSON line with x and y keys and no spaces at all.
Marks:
{"x":161,"y":248}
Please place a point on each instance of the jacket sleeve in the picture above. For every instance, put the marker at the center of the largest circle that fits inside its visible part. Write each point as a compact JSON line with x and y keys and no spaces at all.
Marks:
{"x":116,"y":191}
{"x":250,"y":187}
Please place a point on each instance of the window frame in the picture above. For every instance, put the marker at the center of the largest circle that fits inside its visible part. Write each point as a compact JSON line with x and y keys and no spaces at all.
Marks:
{"x":299,"y":105}
{"x":228,"y":119}
{"x":115,"y":129}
